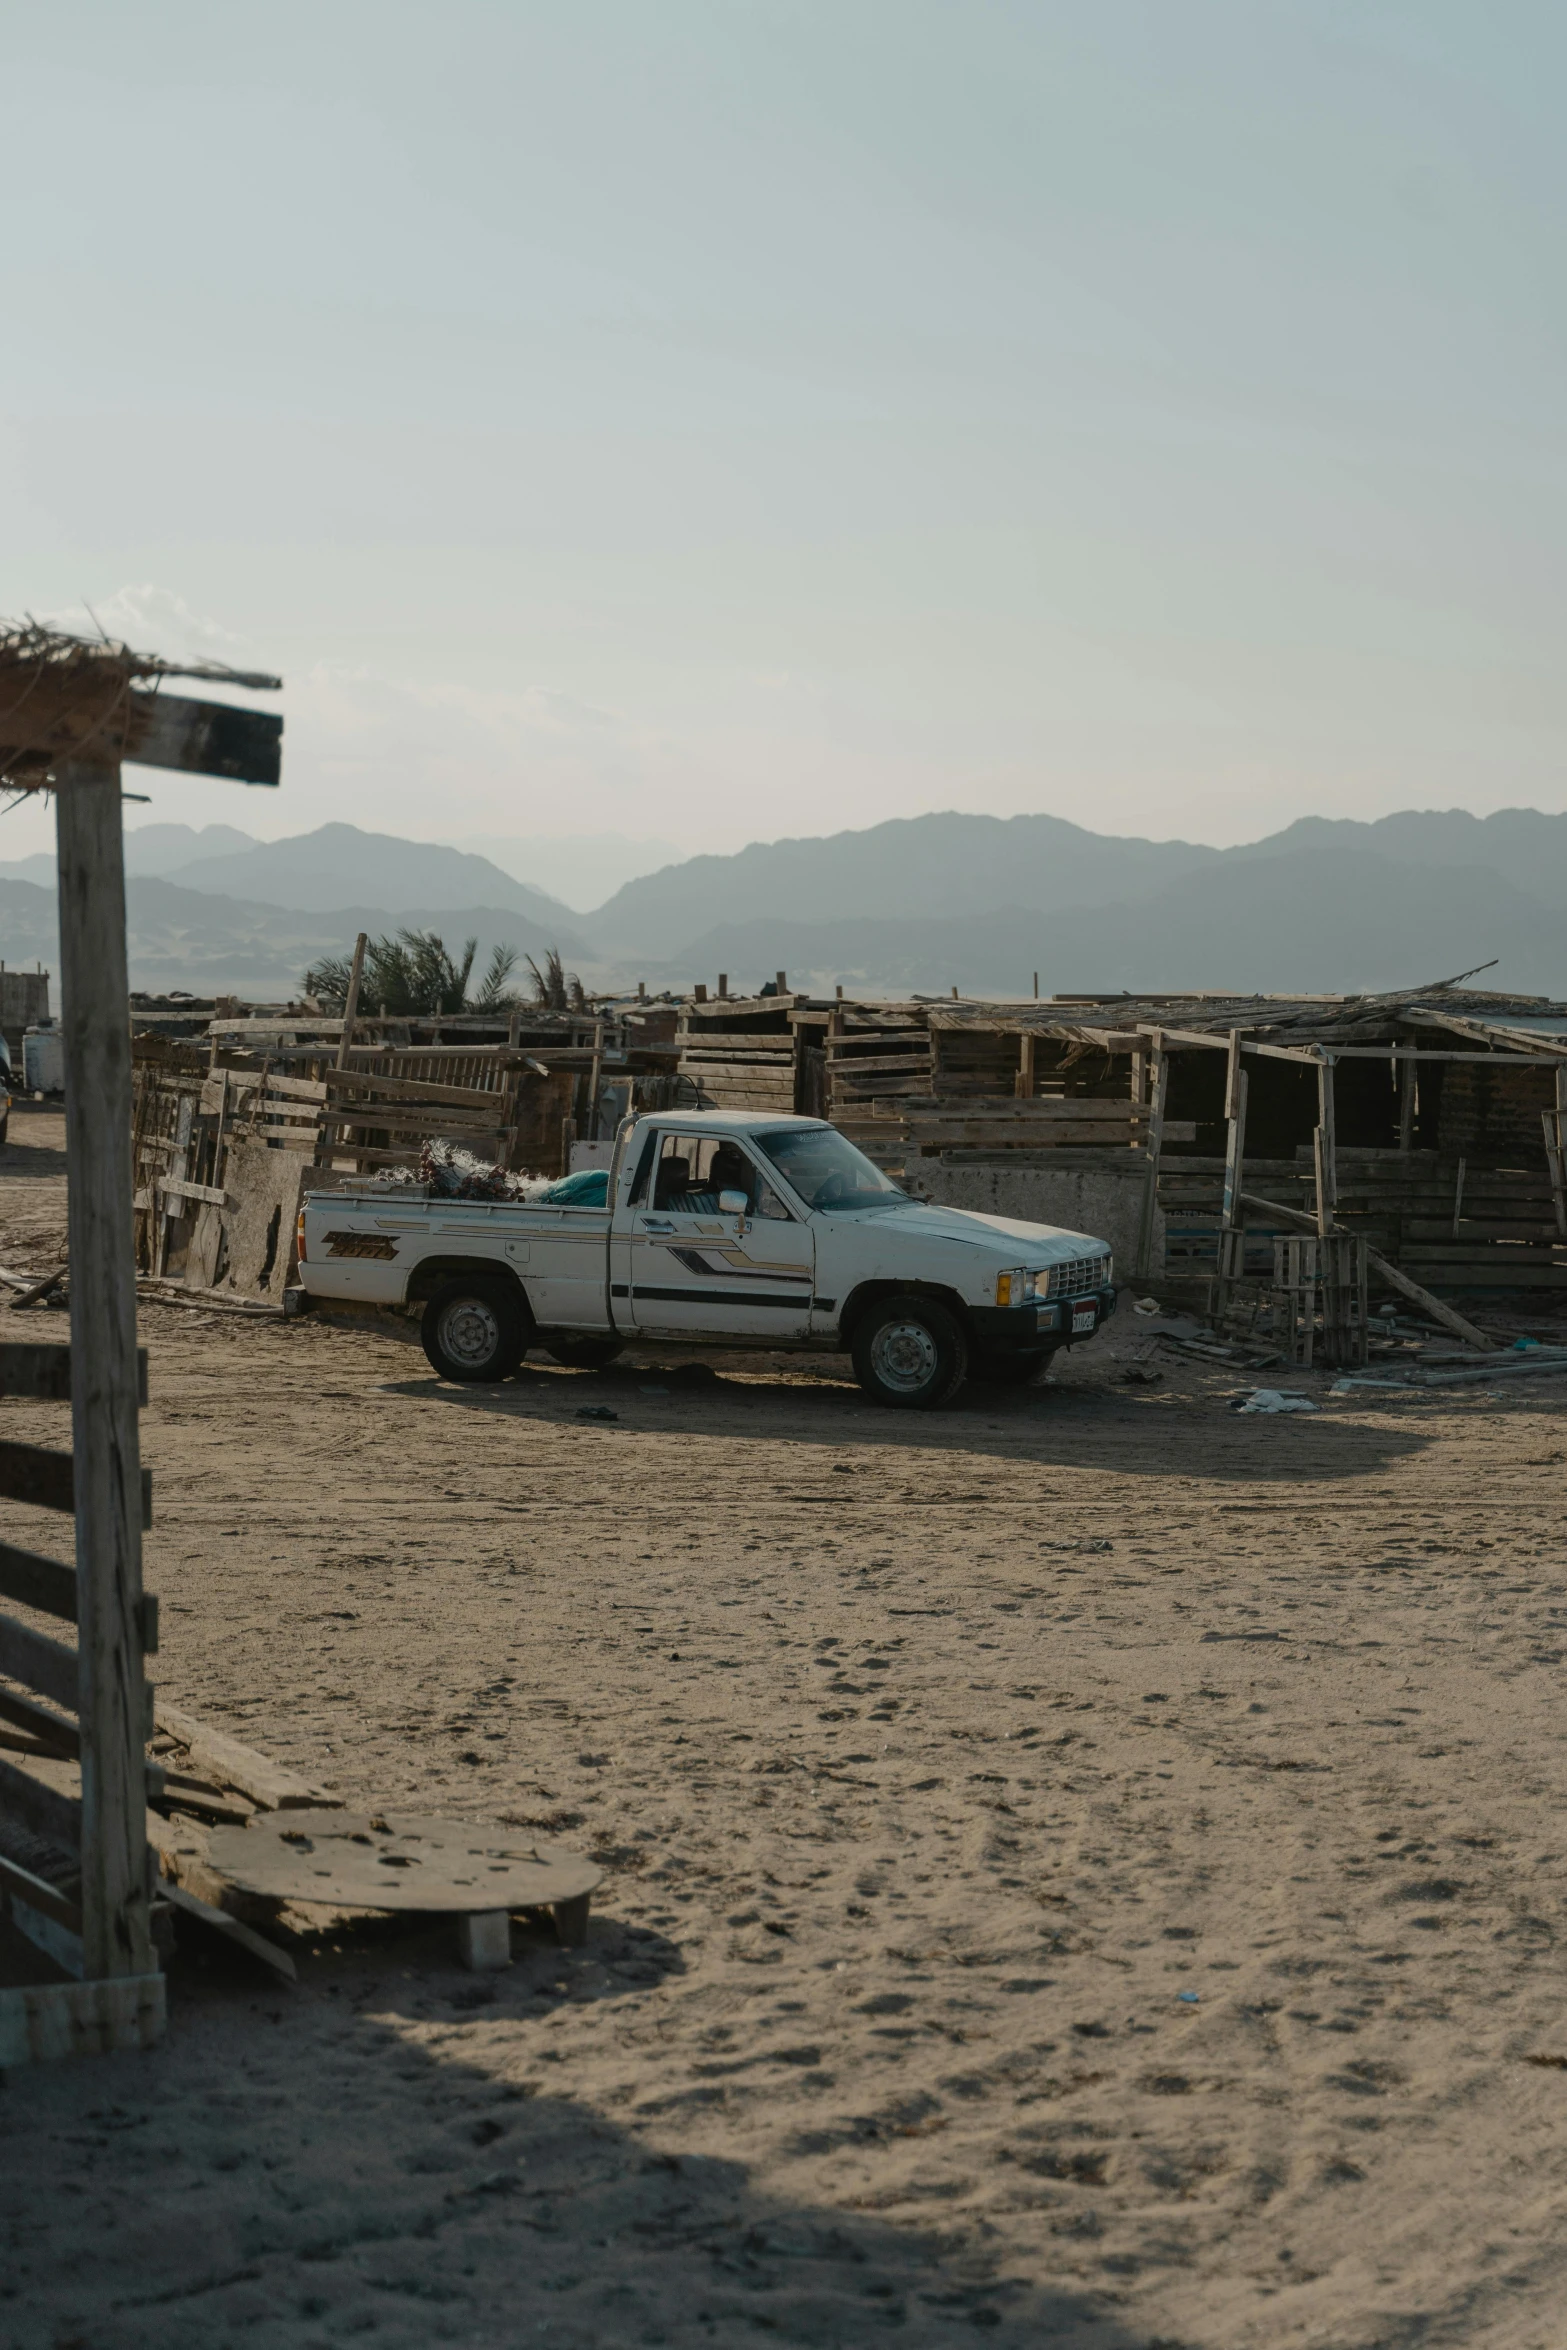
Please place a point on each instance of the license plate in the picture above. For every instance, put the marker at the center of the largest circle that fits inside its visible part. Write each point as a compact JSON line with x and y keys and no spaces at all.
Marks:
{"x":1084,"y":1318}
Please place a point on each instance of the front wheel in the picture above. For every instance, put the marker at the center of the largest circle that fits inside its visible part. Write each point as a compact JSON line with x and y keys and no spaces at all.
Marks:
{"x":583,"y":1354}
{"x":911,"y":1353}
{"x":474,"y":1331}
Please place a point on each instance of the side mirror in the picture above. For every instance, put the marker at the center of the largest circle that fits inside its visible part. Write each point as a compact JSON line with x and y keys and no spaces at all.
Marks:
{"x":733,"y":1203}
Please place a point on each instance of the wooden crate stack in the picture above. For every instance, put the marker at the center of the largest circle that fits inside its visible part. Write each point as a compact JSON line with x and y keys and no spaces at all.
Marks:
{"x":1320,"y":1281}
{"x":876,"y":1064}
{"x":381,"y":1109}
{"x":1011,"y":1124}
{"x":737,"y":1063}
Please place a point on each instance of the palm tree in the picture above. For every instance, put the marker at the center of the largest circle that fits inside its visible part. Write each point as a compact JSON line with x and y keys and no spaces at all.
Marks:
{"x":555,"y":988}
{"x":416,"y":975}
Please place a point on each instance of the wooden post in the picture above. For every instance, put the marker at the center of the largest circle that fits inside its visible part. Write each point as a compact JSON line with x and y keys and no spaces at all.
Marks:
{"x":179,"y":1168}
{"x":1232,"y":1241}
{"x":351,"y":1008}
{"x":1024,"y":1083}
{"x":593,"y":1080}
{"x":116,"y":1931}
{"x":1555,"y":1123}
{"x":1406,"y":1105}
{"x":1325,"y":1149}
{"x":1235,"y":1141}
{"x":1159,"y":1081}
{"x":326,"y":1141}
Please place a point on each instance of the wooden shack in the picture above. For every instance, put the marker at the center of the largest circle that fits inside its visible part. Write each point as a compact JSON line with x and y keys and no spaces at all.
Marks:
{"x":1427,"y":1121}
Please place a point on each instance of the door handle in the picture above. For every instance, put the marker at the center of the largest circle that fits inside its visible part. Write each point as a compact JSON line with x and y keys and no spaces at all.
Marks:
{"x":648,"y":1225}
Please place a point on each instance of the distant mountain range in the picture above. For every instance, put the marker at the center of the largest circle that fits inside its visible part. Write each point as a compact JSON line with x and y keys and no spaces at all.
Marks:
{"x":1317,"y":921}
{"x":918,"y":905}
{"x":208,"y":944}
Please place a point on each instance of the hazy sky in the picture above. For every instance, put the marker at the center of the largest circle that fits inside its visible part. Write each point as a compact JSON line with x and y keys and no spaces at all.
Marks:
{"x":715,"y":419}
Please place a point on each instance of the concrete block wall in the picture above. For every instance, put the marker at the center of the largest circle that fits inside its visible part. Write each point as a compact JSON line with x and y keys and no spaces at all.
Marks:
{"x":1104,"y":1202}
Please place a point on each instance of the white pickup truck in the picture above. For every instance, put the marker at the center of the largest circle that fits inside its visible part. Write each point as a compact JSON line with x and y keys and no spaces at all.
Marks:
{"x":724,"y":1229}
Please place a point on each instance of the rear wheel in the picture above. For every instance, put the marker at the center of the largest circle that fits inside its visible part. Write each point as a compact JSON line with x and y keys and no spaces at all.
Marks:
{"x":583,"y":1354}
{"x":911,"y":1353}
{"x":474,"y":1330}
{"x":1014,"y":1370}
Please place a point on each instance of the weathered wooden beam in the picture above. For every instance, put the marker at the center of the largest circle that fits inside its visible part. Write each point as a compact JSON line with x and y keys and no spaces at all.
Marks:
{"x":49,"y":2021}
{"x":1303,"y":1057}
{"x":1554,"y":1121}
{"x":52,"y":1730}
{"x":229,"y":1763}
{"x":41,"y":1807}
{"x":38,"y":1582}
{"x":116,"y":1923}
{"x":38,"y":1662}
{"x":37,"y":1474}
{"x":44,"y":1373}
{"x":39,"y":1894}
{"x":1158,"y":1088}
{"x":232,"y":1929}
{"x":1235,"y":1153}
{"x":1401,"y":1052}
{"x":204,"y":738}
{"x":1325,"y":1151}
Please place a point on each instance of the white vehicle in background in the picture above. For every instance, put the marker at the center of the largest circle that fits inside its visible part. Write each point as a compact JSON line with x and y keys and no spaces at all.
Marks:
{"x":722,"y":1229}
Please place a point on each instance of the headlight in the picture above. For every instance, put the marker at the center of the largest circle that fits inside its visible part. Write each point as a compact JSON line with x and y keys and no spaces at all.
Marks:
{"x":1011,"y":1288}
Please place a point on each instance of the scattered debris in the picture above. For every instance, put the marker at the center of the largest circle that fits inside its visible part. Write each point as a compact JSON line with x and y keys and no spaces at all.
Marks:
{"x":34,"y":1291}
{"x":1540,"y":1361}
{"x":1274,"y":1399}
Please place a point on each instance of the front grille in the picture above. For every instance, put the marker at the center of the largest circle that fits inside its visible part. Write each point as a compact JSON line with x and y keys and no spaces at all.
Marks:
{"x":1077,"y":1275}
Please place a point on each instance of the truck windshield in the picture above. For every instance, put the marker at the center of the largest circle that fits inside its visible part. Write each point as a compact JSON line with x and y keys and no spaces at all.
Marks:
{"x":827,"y":1171}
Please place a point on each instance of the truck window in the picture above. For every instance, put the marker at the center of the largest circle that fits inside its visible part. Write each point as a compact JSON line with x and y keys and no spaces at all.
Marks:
{"x":694,"y":1170}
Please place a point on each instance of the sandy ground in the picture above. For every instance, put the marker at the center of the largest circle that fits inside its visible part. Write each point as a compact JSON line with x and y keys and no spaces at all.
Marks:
{"x":1082,"y":1866}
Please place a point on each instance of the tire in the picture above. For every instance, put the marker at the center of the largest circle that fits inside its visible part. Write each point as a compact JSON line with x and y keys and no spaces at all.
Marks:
{"x":474,"y":1330}
{"x":911,"y":1353}
{"x":5,"y":1128}
{"x":583,"y":1354}
{"x":1014,"y":1370}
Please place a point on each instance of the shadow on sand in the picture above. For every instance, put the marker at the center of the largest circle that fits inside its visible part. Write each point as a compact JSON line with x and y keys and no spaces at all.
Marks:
{"x":392,"y":2154}
{"x":1067,"y":1424}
